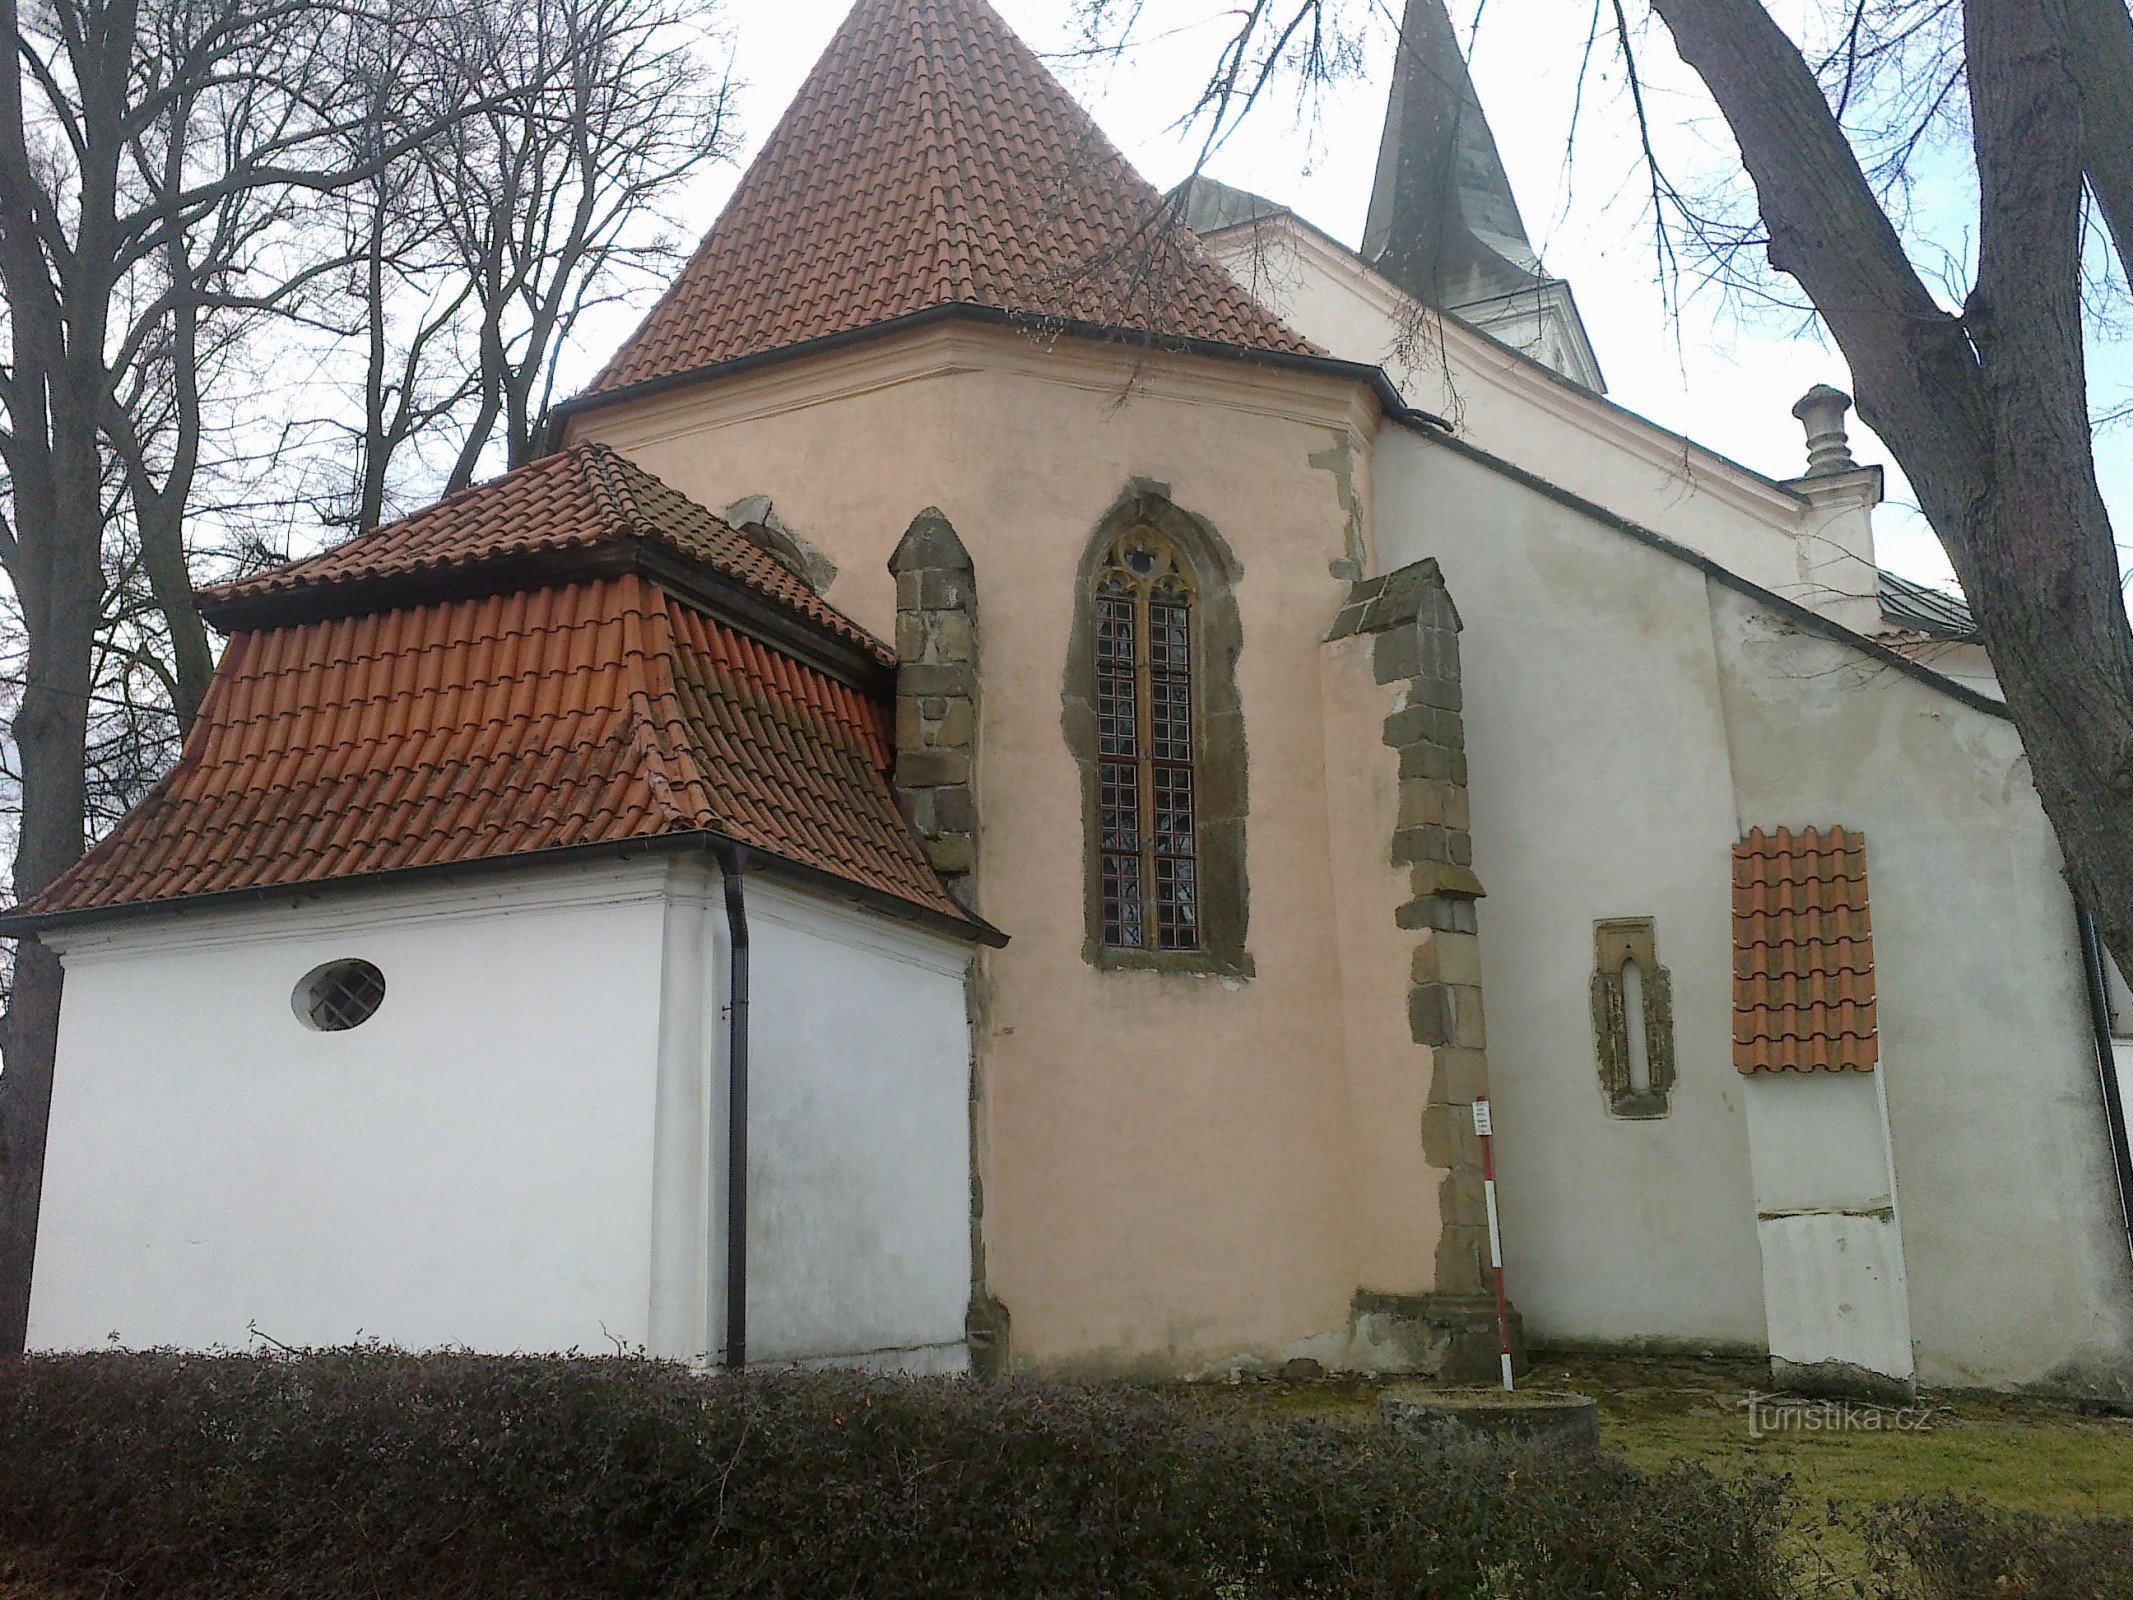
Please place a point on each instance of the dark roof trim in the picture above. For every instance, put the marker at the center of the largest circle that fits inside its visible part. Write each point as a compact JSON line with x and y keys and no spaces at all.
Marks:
{"x":1388,"y":397}
{"x":1933,"y":612}
{"x":1791,"y":610}
{"x":16,"y":923}
{"x":712,"y":592}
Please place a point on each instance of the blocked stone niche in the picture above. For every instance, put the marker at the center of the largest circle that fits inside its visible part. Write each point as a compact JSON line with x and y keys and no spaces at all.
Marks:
{"x":1414,"y":630}
{"x":1628,"y":1013}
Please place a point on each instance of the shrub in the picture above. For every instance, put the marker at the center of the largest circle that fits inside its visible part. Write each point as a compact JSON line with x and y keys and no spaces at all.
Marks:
{"x":1946,"y":1548}
{"x":371,"y":1472}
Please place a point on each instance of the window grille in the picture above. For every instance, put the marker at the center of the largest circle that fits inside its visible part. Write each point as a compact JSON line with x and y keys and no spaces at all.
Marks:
{"x":340,"y":995}
{"x":1145,"y":721}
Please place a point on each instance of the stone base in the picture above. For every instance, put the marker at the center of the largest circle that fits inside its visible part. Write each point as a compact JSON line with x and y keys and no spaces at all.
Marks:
{"x":1448,"y":1336}
{"x":1469,"y":1322}
{"x":1840,"y":1380}
{"x":985,"y":1330}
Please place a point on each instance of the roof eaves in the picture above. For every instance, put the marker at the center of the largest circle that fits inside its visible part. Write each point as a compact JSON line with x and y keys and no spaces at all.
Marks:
{"x":1791,"y":610}
{"x":16,"y":923}
{"x":1932,"y":612}
{"x":1387,"y":394}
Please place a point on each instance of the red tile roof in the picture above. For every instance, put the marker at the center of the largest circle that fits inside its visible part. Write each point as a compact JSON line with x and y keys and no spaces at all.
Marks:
{"x":1803,"y":953}
{"x":580,"y":714}
{"x":931,"y":160}
{"x":581,"y":502}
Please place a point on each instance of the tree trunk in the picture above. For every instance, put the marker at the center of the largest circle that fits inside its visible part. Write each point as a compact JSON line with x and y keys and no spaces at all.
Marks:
{"x":51,"y":734}
{"x":2041,"y":541}
{"x":160,"y":519}
{"x":54,"y":400}
{"x":1987,"y":412}
{"x":2102,"y":59}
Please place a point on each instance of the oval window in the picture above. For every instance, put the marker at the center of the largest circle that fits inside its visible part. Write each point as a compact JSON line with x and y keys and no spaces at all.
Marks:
{"x":339,"y":996}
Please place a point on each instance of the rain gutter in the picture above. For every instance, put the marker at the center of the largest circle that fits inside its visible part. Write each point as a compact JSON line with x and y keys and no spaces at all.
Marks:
{"x":2093,"y":956}
{"x":733,"y":866}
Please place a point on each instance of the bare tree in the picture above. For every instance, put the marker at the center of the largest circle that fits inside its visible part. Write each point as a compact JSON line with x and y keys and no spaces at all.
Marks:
{"x":1984,"y":402}
{"x":154,"y":158}
{"x":450,"y":184}
{"x":478,"y":252}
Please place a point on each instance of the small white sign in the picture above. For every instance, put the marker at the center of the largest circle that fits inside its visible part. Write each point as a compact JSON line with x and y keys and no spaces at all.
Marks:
{"x":1481,"y":1118}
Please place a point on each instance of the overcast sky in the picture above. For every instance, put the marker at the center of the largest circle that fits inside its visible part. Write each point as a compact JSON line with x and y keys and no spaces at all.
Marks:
{"x":1723,"y":374}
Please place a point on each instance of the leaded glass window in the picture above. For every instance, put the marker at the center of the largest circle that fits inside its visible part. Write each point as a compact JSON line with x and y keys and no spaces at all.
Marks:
{"x":1144,"y":746}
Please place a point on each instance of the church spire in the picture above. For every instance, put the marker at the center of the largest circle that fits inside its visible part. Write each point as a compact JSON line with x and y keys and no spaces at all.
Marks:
{"x":1443,"y":224}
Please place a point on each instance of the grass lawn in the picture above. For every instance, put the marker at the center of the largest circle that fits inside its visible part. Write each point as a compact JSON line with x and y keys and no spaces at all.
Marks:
{"x":2024,"y":1453}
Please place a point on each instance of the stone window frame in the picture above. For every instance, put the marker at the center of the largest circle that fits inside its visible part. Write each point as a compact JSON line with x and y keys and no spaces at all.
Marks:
{"x":1219,"y":759}
{"x":1616,"y":942}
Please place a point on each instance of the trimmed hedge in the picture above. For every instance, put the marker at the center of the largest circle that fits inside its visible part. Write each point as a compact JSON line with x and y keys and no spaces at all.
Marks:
{"x":1942,"y":1547}
{"x":370,"y":1472}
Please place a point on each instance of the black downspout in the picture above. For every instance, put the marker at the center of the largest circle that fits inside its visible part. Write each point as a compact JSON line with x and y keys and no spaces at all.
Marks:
{"x":2093,"y":957}
{"x":733,"y":866}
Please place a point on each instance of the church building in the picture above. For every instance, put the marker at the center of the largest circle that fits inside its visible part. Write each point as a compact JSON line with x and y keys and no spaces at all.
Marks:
{"x":1028,"y":756}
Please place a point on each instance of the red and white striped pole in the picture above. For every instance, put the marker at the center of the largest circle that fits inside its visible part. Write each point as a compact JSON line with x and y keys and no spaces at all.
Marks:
{"x":1484,"y":1131}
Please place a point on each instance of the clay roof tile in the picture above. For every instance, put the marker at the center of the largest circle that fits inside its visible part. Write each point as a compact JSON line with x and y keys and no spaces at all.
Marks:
{"x":485,"y":727}
{"x":1803,"y":953}
{"x":581,"y":502}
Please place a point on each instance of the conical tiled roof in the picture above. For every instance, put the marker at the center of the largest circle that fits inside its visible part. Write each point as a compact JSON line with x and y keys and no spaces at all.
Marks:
{"x":931,"y":160}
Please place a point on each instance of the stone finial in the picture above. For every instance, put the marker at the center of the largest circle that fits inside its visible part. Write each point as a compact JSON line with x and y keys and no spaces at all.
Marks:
{"x":1822,"y":410}
{"x":930,"y":541}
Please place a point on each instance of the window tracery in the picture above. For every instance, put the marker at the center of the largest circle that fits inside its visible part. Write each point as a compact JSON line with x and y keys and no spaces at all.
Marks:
{"x":1145,"y":714}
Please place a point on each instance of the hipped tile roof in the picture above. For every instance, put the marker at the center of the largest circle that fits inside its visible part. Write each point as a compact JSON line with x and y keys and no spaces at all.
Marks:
{"x":931,"y":160}
{"x":1803,"y":953}
{"x":579,"y":503}
{"x":580,"y":714}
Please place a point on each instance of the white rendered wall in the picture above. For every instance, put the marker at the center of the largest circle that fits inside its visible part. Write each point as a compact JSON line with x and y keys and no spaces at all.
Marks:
{"x":1600,"y":788}
{"x":1827,"y":1222}
{"x":1626,"y":720}
{"x":859,"y":1161}
{"x":2013,"y":1244}
{"x":1515,"y":409}
{"x":523,"y":1149}
{"x":468,"y":1167}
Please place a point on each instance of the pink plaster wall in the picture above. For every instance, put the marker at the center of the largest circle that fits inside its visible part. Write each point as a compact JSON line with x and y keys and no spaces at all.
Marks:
{"x":1397,"y":1213}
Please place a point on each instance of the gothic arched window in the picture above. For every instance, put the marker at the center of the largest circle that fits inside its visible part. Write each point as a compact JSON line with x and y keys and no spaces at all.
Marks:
{"x":1153,"y":720}
{"x":1145,"y":738}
